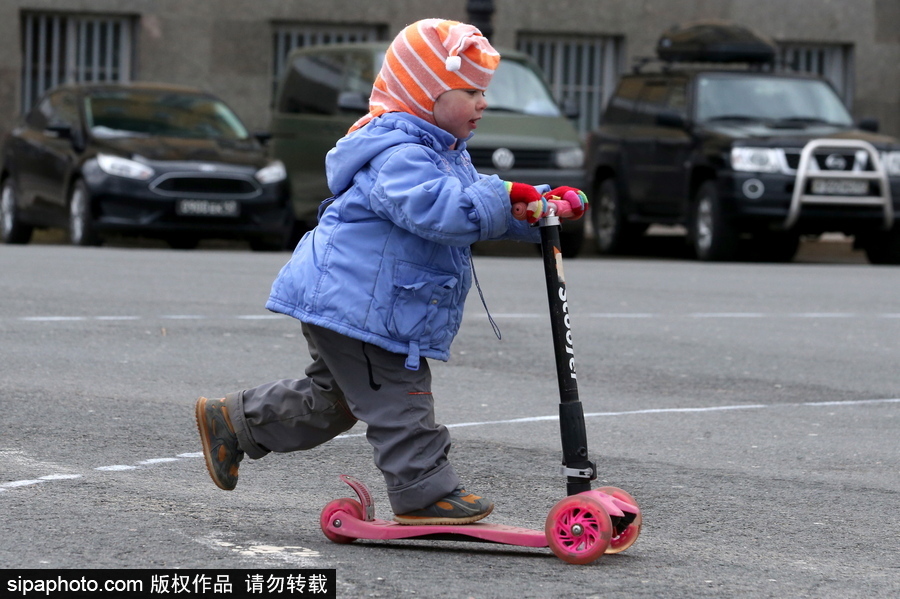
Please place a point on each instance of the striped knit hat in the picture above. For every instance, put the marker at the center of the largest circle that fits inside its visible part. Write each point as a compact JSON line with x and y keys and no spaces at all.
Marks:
{"x":426,"y":59}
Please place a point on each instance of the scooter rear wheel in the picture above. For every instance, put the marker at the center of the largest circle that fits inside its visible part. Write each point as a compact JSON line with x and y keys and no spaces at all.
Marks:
{"x":331,"y":515}
{"x":622,"y":540}
{"x":578,"y":529}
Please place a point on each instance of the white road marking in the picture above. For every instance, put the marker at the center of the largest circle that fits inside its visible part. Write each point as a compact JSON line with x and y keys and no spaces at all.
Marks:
{"x":509,"y":315}
{"x":12,"y":455}
{"x":291,"y":554}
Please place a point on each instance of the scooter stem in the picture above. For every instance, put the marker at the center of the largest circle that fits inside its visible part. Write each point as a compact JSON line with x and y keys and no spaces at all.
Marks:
{"x":579,"y":470}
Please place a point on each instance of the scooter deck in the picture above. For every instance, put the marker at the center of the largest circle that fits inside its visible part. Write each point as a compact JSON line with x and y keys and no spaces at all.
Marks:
{"x":479,"y":531}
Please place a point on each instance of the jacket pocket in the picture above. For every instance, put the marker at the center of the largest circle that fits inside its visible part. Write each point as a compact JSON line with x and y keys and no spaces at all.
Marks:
{"x":423,"y":303}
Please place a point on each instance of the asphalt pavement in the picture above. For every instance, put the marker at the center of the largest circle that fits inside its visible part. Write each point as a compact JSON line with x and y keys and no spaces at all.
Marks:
{"x":752,"y":410}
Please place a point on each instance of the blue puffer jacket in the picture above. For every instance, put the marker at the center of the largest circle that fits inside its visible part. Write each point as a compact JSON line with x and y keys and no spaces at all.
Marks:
{"x":389,"y":262}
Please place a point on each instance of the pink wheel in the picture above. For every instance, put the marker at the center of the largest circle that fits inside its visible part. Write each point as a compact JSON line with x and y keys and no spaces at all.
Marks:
{"x":578,"y":529}
{"x":623,"y":539}
{"x":331,"y":514}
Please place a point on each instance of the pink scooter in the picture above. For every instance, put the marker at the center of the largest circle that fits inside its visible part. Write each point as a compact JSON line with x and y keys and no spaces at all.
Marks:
{"x":579,"y":528}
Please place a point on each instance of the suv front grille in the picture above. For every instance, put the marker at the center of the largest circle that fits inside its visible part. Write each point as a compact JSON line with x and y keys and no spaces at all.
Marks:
{"x":205,"y":186}
{"x":832,"y":160}
{"x":482,"y":158}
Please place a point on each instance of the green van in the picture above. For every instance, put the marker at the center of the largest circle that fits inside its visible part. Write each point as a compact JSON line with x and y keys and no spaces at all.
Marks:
{"x":523,"y":136}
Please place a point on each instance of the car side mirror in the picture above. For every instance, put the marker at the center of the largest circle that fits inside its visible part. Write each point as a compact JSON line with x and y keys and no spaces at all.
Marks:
{"x":61,"y":130}
{"x":869,"y":124}
{"x":73,"y":134}
{"x":353,"y":102}
{"x":672,"y":119}
{"x":570,"y":108}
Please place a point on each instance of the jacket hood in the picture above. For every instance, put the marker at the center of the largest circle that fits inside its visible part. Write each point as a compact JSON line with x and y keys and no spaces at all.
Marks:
{"x":355,"y":150}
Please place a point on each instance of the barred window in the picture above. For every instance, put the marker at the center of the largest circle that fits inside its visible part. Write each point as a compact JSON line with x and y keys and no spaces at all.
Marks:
{"x":834,"y":62}
{"x":583,"y":71}
{"x":64,"y":48}
{"x":286,"y":37}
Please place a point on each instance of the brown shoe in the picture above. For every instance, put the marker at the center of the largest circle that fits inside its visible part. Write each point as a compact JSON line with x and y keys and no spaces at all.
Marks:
{"x":220,"y":443}
{"x":459,"y":507}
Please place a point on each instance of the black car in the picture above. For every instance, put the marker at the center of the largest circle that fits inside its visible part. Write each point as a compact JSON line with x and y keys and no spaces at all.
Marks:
{"x":141,"y":159}
{"x":748,"y":159}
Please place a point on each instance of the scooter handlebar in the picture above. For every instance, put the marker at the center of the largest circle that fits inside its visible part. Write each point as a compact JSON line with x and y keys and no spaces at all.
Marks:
{"x":554,"y":207}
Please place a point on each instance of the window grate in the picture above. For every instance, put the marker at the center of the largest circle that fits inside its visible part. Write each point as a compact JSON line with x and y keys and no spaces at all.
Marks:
{"x":834,"y":62}
{"x":582,"y":70}
{"x":287,"y":37}
{"x":60,"y":49}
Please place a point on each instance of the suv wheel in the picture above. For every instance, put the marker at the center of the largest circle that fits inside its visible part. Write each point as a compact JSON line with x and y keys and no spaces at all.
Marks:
{"x":12,"y":230}
{"x":713,"y":237}
{"x":612,"y":234}
{"x":883,"y":247}
{"x":81,"y":222}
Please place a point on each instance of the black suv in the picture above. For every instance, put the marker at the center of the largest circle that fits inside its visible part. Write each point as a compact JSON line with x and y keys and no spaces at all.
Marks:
{"x":741,"y":156}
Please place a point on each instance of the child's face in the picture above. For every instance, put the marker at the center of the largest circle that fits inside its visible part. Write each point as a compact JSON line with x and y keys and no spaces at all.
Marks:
{"x":457,"y":111}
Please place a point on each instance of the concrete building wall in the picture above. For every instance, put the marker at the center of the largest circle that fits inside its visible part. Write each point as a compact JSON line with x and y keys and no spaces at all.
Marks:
{"x":225,"y":46}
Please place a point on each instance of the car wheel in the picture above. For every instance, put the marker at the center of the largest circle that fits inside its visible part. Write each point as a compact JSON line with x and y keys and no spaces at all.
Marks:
{"x":81,"y":221}
{"x":612,"y":233}
{"x":883,"y":247}
{"x":713,"y":237}
{"x":12,"y":229}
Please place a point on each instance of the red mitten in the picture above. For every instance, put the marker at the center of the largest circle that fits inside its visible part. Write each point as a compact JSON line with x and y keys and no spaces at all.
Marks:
{"x":570,"y":202}
{"x":527,"y":201}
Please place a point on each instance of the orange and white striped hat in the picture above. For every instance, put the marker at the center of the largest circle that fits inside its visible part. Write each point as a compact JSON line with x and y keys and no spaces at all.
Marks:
{"x":426,"y":59}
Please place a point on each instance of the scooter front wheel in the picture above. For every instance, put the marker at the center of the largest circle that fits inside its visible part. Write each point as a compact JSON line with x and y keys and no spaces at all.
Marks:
{"x":578,"y":529}
{"x":331,"y":516}
{"x":623,"y":539}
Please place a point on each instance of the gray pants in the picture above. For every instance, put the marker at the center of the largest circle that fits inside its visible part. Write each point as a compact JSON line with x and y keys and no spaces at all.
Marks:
{"x":349,"y":380}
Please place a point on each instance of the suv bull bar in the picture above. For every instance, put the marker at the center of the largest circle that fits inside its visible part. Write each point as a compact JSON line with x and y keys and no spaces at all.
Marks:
{"x":808,"y":170}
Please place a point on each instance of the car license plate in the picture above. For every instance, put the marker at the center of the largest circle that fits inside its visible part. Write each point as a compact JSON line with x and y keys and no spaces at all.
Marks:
{"x":840,"y":187}
{"x":191,"y":207}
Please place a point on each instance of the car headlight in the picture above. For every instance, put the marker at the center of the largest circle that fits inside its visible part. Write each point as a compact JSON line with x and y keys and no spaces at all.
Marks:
{"x":891,"y":161}
{"x":755,"y":160}
{"x":570,"y":158}
{"x":123,"y":167}
{"x":271,"y":173}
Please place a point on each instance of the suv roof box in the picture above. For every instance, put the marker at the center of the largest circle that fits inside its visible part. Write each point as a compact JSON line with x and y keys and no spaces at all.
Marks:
{"x":714,"y":41}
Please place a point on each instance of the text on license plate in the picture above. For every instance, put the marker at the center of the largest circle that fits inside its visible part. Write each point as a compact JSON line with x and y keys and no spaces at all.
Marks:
{"x":840,"y":187}
{"x":208,"y":207}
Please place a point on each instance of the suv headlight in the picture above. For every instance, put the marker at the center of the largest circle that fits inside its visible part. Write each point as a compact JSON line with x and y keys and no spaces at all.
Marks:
{"x":891,"y":161}
{"x":123,"y":167}
{"x":570,"y":158}
{"x":755,"y":160}
{"x":271,"y":173}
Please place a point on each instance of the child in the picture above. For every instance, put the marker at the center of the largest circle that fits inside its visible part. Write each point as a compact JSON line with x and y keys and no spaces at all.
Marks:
{"x":379,"y":284}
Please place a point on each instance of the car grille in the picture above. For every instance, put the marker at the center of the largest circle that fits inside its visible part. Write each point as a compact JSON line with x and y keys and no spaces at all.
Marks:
{"x":833,"y":160}
{"x":482,"y":158}
{"x":206,"y":186}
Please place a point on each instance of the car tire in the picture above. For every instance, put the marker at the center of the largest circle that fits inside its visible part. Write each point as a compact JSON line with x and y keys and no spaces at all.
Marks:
{"x":612,"y":233}
{"x":883,"y":247}
{"x":714,"y":238}
{"x":81,"y":219}
{"x":12,"y":229}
